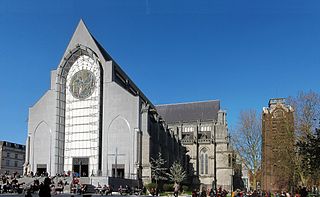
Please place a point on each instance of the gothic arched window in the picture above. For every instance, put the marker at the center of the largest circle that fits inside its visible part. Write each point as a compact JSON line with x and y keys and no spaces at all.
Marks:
{"x":204,"y":161}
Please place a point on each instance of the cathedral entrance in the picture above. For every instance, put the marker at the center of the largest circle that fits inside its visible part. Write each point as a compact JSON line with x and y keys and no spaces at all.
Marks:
{"x":41,"y":169}
{"x":80,"y":166}
{"x":118,"y":170}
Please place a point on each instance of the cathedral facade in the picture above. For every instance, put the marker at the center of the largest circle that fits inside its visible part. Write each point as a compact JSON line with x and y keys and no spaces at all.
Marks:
{"x":94,"y":120}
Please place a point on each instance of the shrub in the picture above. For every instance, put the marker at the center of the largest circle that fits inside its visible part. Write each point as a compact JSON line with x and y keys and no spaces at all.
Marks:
{"x":168,"y":187}
{"x":150,"y":185}
{"x":185,"y":188}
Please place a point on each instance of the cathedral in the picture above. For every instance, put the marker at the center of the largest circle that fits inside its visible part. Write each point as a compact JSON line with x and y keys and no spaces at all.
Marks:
{"x":96,"y":122}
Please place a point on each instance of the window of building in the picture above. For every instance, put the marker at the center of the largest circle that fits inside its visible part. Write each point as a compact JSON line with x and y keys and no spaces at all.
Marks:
{"x":188,"y":129}
{"x":7,"y":163}
{"x":16,"y":156}
{"x":205,"y":128}
{"x":15,"y":163}
{"x":8,"y":154}
{"x":201,"y":164}
{"x":278,"y":113}
{"x":204,"y":161}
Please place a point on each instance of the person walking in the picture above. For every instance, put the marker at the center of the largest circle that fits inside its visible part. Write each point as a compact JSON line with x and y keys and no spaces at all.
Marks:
{"x":176,"y":189}
{"x":203,"y":192}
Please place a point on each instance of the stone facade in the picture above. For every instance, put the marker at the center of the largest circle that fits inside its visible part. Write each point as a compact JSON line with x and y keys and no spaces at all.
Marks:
{"x":12,"y":157}
{"x":202,"y":129}
{"x":277,"y":146}
{"x":94,"y":120}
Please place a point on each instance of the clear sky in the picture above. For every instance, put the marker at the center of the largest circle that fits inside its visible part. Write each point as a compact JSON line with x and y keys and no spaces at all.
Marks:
{"x":240,"y":52}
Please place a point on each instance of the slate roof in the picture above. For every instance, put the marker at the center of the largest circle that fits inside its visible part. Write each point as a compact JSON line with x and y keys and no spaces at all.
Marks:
{"x":187,"y":112}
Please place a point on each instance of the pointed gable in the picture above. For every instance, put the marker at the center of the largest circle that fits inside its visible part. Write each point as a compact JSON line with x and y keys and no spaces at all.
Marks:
{"x":83,"y":37}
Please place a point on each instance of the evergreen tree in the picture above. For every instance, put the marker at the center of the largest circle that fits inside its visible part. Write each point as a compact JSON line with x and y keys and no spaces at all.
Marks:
{"x":309,"y":150}
{"x":177,"y":173}
{"x":158,"y":172}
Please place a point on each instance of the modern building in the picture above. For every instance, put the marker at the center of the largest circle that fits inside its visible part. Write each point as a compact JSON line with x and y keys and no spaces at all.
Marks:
{"x":277,"y":146}
{"x":12,"y":157}
{"x":94,"y":120}
{"x":203,"y":130}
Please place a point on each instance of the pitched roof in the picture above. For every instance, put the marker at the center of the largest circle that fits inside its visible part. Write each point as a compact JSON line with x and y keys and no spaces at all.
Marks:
{"x":186,"y":112}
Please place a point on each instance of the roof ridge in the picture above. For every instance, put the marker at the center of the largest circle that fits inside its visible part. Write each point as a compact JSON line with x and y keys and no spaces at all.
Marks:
{"x":205,"y":101}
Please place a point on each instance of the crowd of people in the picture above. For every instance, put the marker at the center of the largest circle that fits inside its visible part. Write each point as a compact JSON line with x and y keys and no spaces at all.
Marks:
{"x":108,"y":189}
{"x":212,"y":193}
{"x":300,"y":192}
{"x":104,"y":190}
{"x":47,"y":187}
{"x":77,"y":187}
{"x":10,"y":184}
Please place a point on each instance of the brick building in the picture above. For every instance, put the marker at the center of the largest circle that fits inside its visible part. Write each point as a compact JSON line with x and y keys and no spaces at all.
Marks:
{"x":277,"y":146}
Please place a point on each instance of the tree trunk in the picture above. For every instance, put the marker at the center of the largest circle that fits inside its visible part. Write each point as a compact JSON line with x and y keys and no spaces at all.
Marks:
{"x":254,"y":182}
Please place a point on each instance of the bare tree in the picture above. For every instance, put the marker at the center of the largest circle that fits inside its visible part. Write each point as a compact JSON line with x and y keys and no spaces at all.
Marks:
{"x":307,"y":110}
{"x":247,"y":141}
{"x":307,"y":114}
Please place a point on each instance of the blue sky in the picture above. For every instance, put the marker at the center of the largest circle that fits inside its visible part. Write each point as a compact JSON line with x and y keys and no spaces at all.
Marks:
{"x":240,"y":52}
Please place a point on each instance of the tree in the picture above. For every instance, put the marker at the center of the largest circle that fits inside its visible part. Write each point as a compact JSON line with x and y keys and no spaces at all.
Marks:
{"x":309,"y":150}
{"x":307,"y":110}
{"x":177,"y":173}
{"x":158,"y":172}
{"x":247,"y":142}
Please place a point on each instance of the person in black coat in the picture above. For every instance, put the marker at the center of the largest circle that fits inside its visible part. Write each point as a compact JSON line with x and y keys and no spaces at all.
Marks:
{"x":304,"y":192}
{"x":45,"y":190}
